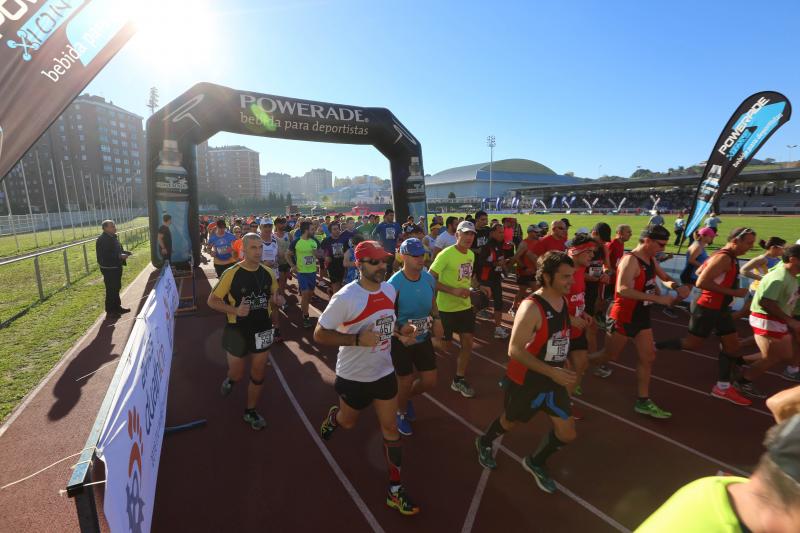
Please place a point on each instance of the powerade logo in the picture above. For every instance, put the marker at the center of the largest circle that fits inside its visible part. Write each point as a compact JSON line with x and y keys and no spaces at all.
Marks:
{"x":750,"y":131}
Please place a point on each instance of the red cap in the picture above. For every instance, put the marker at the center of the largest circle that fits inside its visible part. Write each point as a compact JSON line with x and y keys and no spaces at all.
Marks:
{"x":370,"y":250}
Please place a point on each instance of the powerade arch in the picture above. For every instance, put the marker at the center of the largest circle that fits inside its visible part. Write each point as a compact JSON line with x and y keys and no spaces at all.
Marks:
{"x":174,"y":132}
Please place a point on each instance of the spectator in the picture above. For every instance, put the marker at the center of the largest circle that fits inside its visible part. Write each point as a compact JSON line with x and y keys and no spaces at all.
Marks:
{"x":111,"y":258}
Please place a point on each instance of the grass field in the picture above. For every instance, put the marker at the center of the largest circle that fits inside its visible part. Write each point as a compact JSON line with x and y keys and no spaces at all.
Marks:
{"x":27,"y":242}
{"x":35,"y":342}
{"x":787,"y":227}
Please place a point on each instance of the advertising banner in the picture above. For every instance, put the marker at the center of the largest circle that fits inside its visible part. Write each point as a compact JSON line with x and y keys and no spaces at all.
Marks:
{"x":756,"y":119}
{"x":130,"y":442}
{"x":49,"y":51}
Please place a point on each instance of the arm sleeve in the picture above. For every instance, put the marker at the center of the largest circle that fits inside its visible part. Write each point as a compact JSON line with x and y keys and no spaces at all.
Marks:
{"x":335,"y":314}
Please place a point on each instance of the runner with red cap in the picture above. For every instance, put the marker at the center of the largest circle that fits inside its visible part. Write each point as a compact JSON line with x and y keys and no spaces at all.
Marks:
{"x":360,"y":319}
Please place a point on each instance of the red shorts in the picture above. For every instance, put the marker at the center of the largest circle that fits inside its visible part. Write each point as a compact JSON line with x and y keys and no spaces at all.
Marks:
{"x":768,"y":326}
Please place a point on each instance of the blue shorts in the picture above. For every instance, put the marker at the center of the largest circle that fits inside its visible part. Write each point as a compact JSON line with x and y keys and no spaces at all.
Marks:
{"x":307,"y":280}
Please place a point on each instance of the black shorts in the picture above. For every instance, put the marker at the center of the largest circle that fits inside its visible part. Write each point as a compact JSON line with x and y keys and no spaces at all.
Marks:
{"x":336,"y":272}
{"x":705,"y":320}
{"x":359,"y":394}
{"x":590,"y":296}
{"x":457,"y":322}
{"x":240,"y":341}
{"x":222,"y":268}
{"x":579,"y":343}
{"x":284,"y":268}
{"x":524,"y":401}
{"x":629,"y":329}
{"x":406,"y":358}
{"x":497,"y":292}
{"x":525,"y":279}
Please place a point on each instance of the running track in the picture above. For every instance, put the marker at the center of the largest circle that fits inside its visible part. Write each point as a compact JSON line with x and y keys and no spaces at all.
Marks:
{"x":225,"y":476}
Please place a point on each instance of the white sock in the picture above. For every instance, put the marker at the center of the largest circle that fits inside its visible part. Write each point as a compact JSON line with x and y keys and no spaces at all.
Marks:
{"x":793,"y":369}
{"x":723,"y":385}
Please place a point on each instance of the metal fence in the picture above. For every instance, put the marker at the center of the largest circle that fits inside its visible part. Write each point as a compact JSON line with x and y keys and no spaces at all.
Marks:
{"x":33,"y":277}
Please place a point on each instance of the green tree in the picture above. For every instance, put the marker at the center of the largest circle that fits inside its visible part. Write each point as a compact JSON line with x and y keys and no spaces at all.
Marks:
{"x":451,"y":195}
{"x":288,"y":199}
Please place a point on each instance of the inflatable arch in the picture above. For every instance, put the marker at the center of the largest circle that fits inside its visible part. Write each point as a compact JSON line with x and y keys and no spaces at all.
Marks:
{"x":174,"y":132}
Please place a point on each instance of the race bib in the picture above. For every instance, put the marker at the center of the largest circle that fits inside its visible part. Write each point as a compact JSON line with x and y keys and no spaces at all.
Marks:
{"x":595,"y":271}
{"x":557,"y":348}
{"x":338,"y":249}
{"x":264,"y":339}
{"x":649,"y":290}
{"x":423,"y":325}
{"x":464,"y":271}
{"x":390,"y":233}
{"x":308,"y":260}
{"x":385,"y":328}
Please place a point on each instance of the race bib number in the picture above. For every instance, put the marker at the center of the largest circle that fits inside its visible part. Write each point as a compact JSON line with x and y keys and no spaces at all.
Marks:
{"x":649,"y":290}
{"x":423,"y":325}
{"x":222,"y":250}
{"x":264,"y":339}
{"x":385,"y":328}
{"x":390,"y":234}
{"x":464,"y":271}
{"x":557,"y":348}
{"x":308,"y":260}
{"x":338,"y":249}
{"x":595,"y":271}
{"x":482,"y":241}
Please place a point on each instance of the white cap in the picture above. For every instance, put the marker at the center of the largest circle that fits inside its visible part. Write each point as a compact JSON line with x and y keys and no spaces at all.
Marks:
{"x":466,"y":226}
{"x":585,"y":231}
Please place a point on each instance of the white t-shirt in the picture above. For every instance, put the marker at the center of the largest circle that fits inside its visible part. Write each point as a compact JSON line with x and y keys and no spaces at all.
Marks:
{"x":353,"y":310}
{"x":443,"y":240}
{"x":269,"y":250}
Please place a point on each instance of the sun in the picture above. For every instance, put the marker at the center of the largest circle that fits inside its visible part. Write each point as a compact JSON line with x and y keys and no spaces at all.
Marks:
{"x":176,"y":36}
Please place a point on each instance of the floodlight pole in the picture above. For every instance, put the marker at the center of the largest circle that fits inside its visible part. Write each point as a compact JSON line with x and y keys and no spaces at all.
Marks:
{"x":490,"y":142}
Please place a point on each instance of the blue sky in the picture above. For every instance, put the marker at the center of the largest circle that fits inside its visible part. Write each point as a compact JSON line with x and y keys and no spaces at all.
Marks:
{"x":585,"y":86}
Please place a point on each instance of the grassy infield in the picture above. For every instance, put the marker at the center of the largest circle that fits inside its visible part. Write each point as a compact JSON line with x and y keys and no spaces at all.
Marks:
{"x":34,"y":343}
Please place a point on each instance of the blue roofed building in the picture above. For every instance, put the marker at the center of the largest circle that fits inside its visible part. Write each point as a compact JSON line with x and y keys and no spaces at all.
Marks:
{"x":472,"y":181}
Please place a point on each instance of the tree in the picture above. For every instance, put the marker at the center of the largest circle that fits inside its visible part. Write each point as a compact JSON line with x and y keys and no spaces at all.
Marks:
{"x":288,"y":199}
{"x":451,"y":195}
{"x":325,"y":199}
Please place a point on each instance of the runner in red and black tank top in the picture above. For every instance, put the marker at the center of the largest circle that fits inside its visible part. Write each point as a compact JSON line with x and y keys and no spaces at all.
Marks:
{"x":730,"y":280}
{"x":550,"y":343}
{"x":629,"y":311}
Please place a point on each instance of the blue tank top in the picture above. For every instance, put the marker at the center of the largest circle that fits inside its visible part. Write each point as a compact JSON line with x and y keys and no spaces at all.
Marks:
{"x":689,"y":274}
{"x":414,"y":301}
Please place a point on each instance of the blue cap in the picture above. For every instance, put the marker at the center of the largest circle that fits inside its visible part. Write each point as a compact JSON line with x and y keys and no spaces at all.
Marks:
{"x":412,"y":247}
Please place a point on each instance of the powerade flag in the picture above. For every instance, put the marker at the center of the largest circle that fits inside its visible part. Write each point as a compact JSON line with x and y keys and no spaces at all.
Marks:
{"x":757,"y":118}
{"x":49,"y":51}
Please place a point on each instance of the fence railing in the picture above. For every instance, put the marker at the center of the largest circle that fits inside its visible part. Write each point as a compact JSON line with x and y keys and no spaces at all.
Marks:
{"x":33,"y":277}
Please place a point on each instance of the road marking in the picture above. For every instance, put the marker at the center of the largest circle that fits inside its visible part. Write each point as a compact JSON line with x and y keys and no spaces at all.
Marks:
{"x":685,"y":447}
{"x":568,"y":493}
{"x":475,"y":504}
{"x":325,"y":453}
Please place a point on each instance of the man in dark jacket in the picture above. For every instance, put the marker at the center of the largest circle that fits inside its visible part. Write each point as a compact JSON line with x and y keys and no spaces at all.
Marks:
{"x":111,"y":258}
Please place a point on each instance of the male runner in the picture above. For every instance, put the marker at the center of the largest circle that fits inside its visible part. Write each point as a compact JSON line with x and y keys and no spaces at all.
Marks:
{"x":581,"y":251}
{"x":334,"y":248}
{"x":282,"y":238}
{"x":452,"y":269}
{"x":490,"y":265}
{"x":555,"y":240}
{"x":525,"y":260}
{"x":629,"y":316}
{"x":245,"y":293}
{"x":482,"y":230}
{"x":415,"y":305}
{"x":360,"y":319}
{"x":388,"y":234}
{"x":719,"y":282}
{"x":537,"y":378}
{"x":446,"y":237}
{"x":220,"y":244}
{"x":303,"y":260}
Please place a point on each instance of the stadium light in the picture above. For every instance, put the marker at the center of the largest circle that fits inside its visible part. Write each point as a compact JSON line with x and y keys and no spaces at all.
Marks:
{"x":490,"y":142}
{"x":790,"y":147}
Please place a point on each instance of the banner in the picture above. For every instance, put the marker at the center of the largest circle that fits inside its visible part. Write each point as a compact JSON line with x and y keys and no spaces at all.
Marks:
{"x":130,"y":441}
{"x":49,"y":51}
{"x":553,"y":202}
{"x":756,"y":119}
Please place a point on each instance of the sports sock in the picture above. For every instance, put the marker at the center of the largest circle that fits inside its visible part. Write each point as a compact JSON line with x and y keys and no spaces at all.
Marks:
{"x":494,"y":431}
{"x":793,"y":369}
{"x":458,"y":379}
{"x":724,"y":366}
{"x":393,"y":450}
{"x":547,"y":447}
{"x":723,"y":385}
{"x":669,"y":344}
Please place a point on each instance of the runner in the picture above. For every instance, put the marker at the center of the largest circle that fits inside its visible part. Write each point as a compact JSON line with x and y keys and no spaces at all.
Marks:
{"x":555,"y":240}
{"x":719,"y":282}
{"x":349,"y":261}
{"x":246,"y":293}
{"x":388,"y":234}
{"x":597,"y":277}
{"x":525,"y":260}
{"x":629,"y":316}
{"x":220,"y":246}
{"x":334,"y":248}
{"x":303,"y":260}
{"x":581,"y":250}
{"x":771,"y":319}
{"x":360,"y":319}
{"x":452,"y":269}
{"x":697,"y":255}
{"x":490,"y":266}
{"x":482,"y":230}
{"x":415,"y":305}
{"x":537,"y":379}
{"x":282,"y":238}
{"x":616,"y":249}
{"x":447,"y":237}
{"x":758,"y":267}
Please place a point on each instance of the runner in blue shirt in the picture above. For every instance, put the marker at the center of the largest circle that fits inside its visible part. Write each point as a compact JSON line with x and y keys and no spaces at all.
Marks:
{"x":220,"y":244}
{"x":387,"y":233}
{"x":415,"y":305}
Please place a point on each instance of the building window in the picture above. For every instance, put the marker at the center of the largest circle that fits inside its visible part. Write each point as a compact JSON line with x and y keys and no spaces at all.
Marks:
{"x":82,"y":137}
{"x":80,"y":127}
{"x":107,"y":168}
{"x":83,"y":157}
{"x":78,"y":116}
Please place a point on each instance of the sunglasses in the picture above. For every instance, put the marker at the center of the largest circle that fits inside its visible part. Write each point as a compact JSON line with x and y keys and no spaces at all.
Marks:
{"x":744,"y":232}
{"x":662,"y":244}
{"x":374,"y":262}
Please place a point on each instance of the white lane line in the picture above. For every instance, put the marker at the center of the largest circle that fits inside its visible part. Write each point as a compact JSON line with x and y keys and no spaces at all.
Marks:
{"x":685,"y":447}
{"x":328,"y":457}
{"x":475,"y":504}
{"x":568,"y":493}
{"x":686,"y":387}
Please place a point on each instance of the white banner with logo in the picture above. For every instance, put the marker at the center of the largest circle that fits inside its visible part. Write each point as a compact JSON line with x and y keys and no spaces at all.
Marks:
{"x":130,"y":442}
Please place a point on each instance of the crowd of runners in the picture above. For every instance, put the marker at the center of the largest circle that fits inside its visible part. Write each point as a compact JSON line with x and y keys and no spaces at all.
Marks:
{"x":398,"y":293}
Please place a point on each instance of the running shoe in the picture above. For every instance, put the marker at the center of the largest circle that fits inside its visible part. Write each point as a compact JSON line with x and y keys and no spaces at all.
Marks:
{"x":750,"y":390}
{"x":669,"y":312}
{"x":463,"y":387}
{"x":578,"y":391}
{"x":544,"y":481}
{"x":649,"y":408}
{"x":602,"y":371}
{"x":327,"y":428}
{"x":789,"y":375}
{"x":577,"y":414}
{"x":512,"y":313}
{"x":411,"y":414}
{"x":730,"y":394}
{"x":399,"y":500}
{"x":485,"y":457}
{"x":307,"y":322}
{"x":501,"y":333}
{"x":226,"y":388}
{"x":255,"y":420}
{"x":403,"y":425}
{"x":484,"y":313}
